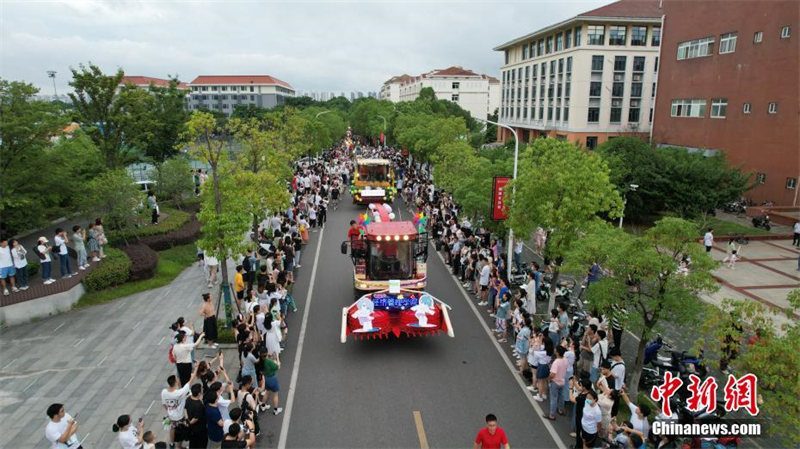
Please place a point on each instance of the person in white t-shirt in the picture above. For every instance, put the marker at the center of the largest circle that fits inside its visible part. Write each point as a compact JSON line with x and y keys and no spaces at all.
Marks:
{"x":212,"y":263}
{"x":62,"y":428}
{"x":7,"y":271}
{"x":20,"y":255}
{"x":60,"y":247}
{"x":174,"y":400}
{"x":45,"y":261}
{"x":484,"y":280}
{"x":129,"y":437}
{"x":708,"y":240}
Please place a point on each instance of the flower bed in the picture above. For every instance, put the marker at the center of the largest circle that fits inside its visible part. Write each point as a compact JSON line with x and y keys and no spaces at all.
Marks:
{"x":174,"y":220}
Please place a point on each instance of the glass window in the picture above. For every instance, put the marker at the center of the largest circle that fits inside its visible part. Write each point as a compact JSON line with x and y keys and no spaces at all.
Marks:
{"x":616,"y":34}
{"x":251,"y":89}
{"x":560,"y":66}
{"x":569,"y":64}
{"x":696,"y":48}
{"x":559,"y":42}
{"x":577,"y":37}
{"x":597,"y":63}
{"x":619,"y":63}
{"x":549,"y":45}
{"x":456,"y":84}
{"x":761,"y":178}
{"x":454,"y":97}
{"x":633,"y":114}
{"x":541,"y":47}
{"x":591,"y":142}
{"x":688,"y":108}
{"x":638,"y":63}
{"x":594,"y":115}
{"x":655,"y":41}
{"x":786,"y":32}
{"x":616,"y":111}
{"x":595,"y":88}
{"x":617,"y":89}
{"x":727,"y":43}
{"x":567,"y":39}
{"x":639,"y":36}
{"x":791,"y":183}
{"x":532,"y":49}
{"x":773,"y":108}
{"x":746,"y":108}
{"x":636,"y":89}
{"x":524,"y":52}
{"x":655,"y":68}
{"x":757,"y":37}
{"x":718,"y":107}
{"x":596,"y":34}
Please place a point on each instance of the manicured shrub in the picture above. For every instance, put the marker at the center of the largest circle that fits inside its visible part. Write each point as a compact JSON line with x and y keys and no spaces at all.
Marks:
{"x":143,"y":261}
{"x":174,"y":220}
{"x":113,"y":270}
{"x":187,"y":234}
{"x":33,"y":268}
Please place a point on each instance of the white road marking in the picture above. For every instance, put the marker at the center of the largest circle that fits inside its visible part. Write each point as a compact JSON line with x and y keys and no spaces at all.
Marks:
{"x":59,"y":327}
{"x":287,"y":415}
{"x":78,"y":342}
{"x":148,"y":408}
{"x":129,"y":382}
{"x":137,"y":324}
{"x":9,"y":364}
{"x":30,"y":385}
{"x":161,"y":341}
{"x":539,"y":411}
{"x":101,"y":362}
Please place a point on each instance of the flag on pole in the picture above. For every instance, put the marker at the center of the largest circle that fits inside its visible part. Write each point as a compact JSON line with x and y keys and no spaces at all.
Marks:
{"x":382,"y":136}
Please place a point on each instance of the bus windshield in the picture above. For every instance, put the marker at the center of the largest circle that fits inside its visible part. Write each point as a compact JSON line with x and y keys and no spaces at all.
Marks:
{"x":378,"y":173}
{"x":390,"y":260}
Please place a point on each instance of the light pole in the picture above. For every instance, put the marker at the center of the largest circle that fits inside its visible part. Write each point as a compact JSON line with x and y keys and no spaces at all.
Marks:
{"x":52,"y":74}
{"x":631,"y":188}
{"x":385,"y":137}
{"x":510,"y":242}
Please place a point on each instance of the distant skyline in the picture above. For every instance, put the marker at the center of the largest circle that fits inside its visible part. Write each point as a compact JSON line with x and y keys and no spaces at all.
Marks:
{"x":313,"y":45}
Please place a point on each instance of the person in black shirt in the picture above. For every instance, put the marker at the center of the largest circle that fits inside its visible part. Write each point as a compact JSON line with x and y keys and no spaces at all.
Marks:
{"x":198,"y":437}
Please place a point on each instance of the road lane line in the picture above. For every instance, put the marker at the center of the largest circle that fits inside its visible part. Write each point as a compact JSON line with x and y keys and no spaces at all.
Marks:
{"x":287,"y":415}
{"x":78,"y":342}
{"x":137,"y":324}
{"x":129,"y":382}
{"x":9,"y":364}
{"x":101,"y":362}
{"x":539,"y":411}
{"x":30,"y":385}
{"x":161,"y":341}
{"x":59,"y":327}
{"x":423,"y":440}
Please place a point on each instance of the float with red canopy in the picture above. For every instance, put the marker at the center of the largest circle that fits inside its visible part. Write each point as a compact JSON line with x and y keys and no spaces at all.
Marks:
{"x":396,"y":311}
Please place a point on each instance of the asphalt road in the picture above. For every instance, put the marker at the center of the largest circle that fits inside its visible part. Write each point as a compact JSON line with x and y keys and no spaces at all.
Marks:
{"x":365,"y":393}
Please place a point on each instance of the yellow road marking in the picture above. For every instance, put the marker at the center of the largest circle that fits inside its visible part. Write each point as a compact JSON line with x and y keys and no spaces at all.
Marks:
{"x":423,"y":440}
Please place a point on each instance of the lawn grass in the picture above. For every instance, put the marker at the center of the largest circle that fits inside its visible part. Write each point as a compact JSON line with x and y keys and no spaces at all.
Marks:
{"x":723,"y":228}
{"x":171,"y":263}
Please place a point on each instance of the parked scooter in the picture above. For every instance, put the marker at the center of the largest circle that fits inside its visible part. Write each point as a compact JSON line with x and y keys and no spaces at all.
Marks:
{"x":762,"y":221}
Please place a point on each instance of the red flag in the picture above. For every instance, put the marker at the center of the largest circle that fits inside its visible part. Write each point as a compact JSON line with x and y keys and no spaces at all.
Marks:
{"x":382,"y":136}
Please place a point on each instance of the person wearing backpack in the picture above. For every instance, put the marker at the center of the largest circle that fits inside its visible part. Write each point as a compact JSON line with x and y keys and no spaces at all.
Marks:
{"x":615,"y":368}
{"x":599,"y":353}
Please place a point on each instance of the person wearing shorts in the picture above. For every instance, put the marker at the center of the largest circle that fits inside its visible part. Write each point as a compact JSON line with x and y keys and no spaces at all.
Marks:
{"x":7,"y":270}
{"x":270,"y":369}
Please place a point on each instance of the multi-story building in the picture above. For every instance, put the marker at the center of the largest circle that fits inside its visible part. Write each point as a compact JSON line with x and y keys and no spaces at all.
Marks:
{"x":475,"y":93}
{"x":225,"y":92}
{"x":729,"y":82}
{"x":586,"y":79}
{"x":144,"y":82}
{"x":391,"y":88}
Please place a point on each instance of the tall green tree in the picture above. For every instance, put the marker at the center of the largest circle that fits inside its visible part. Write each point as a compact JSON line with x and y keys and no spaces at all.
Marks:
{"x":100,"y":111}
{"x":773,"y":357}
{"x":562,"y":189}
{"x":174,"y":180}
{"x":633,"y":161}
{"x":26,"y":128}
{"x":169,"y":115}
{"x":224,"y":212}
{"x":115,"y":196}
{"x":643,"y":277}
{"x":423,"y":134}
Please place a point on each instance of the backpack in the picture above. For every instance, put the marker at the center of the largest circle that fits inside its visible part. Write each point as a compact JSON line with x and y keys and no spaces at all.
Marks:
{"x":41,"y":256}
{"x":171,"y":356}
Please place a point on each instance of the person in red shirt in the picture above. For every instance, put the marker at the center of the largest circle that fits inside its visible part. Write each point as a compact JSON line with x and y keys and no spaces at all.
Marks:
{"x":491,"y":436}
{"x":353,"y":232}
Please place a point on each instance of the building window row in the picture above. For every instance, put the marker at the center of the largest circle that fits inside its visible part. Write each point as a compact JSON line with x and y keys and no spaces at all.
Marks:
{"x":719,"y":107}
{"x":696,"y":48}
{"x":564,"y":40}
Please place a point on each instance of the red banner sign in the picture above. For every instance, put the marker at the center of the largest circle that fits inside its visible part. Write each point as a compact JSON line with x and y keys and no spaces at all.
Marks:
{"x":499,"y":194}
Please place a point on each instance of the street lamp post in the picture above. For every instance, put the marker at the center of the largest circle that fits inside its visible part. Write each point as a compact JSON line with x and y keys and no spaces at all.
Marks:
{"x":631,"y":188}
{"x":385,"y":136}
{"x":52,"y":74}
{"x":510,"y":242}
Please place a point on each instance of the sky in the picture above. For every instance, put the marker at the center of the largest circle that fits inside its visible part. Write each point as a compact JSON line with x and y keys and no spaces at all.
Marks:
{"x":313,"y":45}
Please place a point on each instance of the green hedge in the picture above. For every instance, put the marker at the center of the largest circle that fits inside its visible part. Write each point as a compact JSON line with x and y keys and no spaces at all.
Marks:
{"x":175,"y":219}
{"x":113,"y":270}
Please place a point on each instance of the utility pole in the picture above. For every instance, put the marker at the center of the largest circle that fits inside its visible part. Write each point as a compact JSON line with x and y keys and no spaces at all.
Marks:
{"x":52,"y":74}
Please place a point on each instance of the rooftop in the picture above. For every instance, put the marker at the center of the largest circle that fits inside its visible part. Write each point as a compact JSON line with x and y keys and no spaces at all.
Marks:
{"x":240,"y":79}
{"x":148,"y":80}
{"x":633,"y":10}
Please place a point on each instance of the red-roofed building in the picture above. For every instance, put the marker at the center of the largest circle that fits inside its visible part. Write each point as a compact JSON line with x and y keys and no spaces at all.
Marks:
{"x":586,"y":79}
{"x":225,"y":92}
{"x":478,"y":94}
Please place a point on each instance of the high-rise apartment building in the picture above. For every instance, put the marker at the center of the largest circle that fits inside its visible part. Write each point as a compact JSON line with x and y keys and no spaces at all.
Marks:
{"x":586,"y":79}
{"x":729,"y":81}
